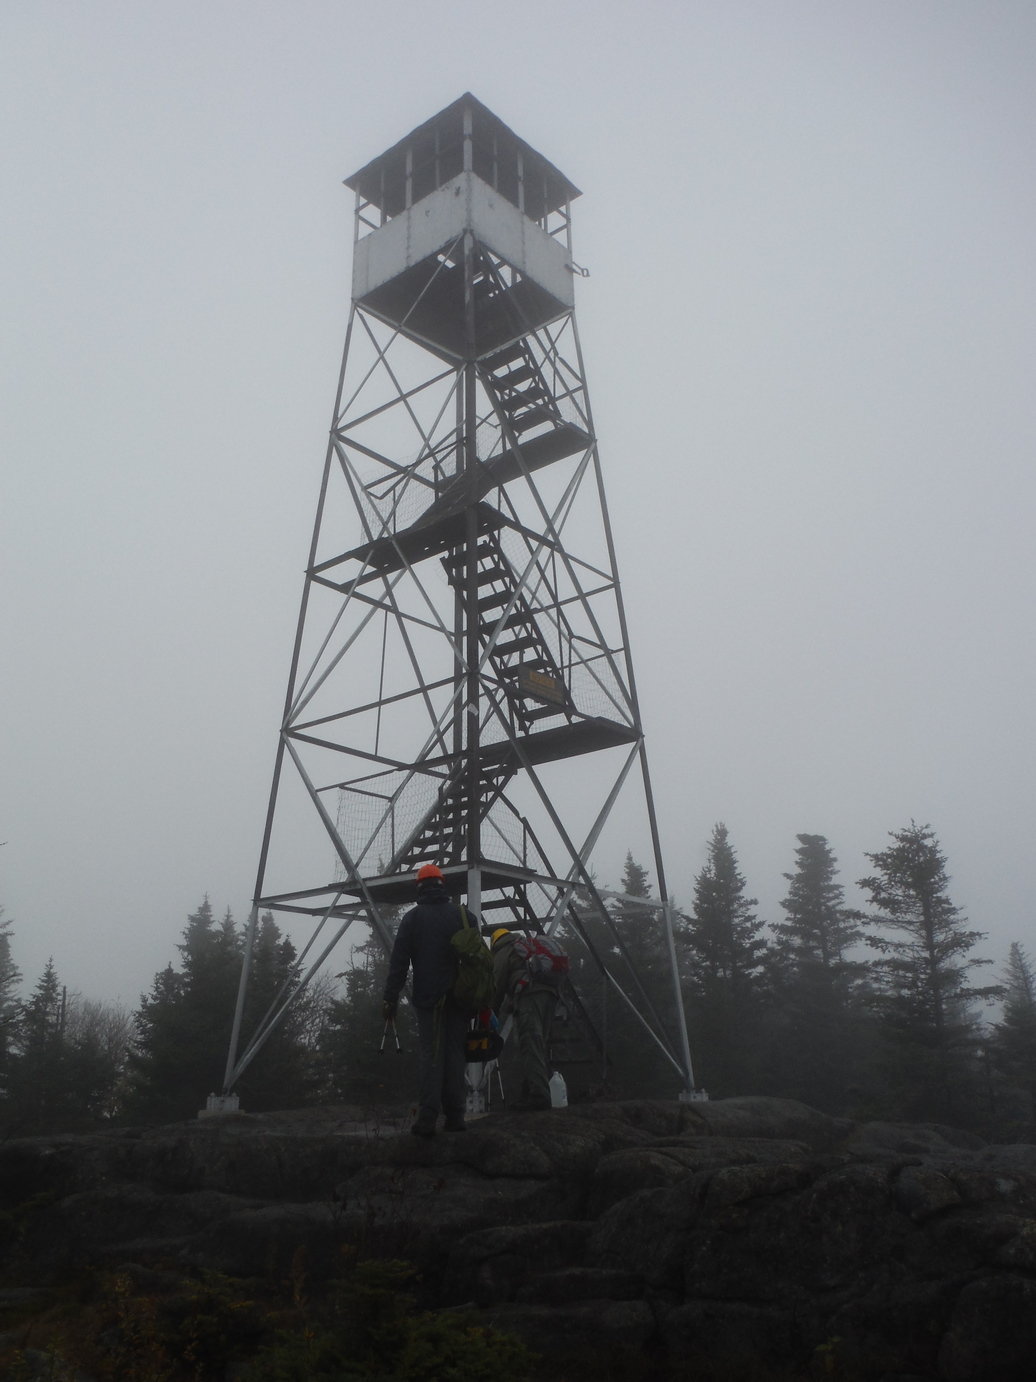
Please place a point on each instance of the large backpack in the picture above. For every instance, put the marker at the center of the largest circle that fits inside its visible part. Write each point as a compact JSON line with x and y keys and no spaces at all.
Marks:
{"x":472,"y":987}
{"x":545,"y":961}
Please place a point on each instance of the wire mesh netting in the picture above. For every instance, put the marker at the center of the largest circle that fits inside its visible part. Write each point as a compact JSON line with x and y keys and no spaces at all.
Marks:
{"x":377,"y":817}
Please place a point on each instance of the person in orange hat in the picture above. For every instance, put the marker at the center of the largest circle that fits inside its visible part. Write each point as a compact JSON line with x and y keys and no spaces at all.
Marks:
{"x":423,"y":944}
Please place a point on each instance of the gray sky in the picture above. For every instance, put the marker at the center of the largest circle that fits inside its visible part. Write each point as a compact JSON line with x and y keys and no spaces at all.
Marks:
{"x":809,"y":333}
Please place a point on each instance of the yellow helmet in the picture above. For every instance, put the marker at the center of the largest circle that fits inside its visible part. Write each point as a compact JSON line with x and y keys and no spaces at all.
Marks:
{"x":501,"y":931}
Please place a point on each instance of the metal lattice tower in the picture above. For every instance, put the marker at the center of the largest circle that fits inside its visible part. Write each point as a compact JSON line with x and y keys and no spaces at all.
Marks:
{"x":461,"y":688}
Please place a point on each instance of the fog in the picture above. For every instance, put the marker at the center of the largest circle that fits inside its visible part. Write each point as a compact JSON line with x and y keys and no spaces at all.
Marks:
{"x":809,"y":333}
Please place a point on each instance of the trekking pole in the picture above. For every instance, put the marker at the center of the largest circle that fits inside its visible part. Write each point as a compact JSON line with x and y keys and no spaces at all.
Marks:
{"x":388,"y":1023}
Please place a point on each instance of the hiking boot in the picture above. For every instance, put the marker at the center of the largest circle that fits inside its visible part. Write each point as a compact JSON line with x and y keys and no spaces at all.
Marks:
{"x":423,"y":1127}
{"x":455,"y":1125}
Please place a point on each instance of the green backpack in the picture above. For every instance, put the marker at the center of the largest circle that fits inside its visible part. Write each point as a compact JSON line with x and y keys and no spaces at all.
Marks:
{"x":472,"y":987}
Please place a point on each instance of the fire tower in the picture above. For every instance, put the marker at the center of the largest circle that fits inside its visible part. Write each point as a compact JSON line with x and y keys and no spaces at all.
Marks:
{"x":461,"y":689}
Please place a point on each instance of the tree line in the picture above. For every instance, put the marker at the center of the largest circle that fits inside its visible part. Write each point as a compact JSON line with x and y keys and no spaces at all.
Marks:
{"x":70,"y":1064}
{"x":876,"y":1013}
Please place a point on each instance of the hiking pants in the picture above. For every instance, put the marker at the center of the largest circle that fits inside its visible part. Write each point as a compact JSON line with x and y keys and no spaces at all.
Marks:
{"x":533,"y":1019}
{"x":441,"y":1036}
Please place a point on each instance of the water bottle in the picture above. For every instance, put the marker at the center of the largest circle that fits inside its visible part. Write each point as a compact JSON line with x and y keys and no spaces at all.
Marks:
{"x":558,"y":1090}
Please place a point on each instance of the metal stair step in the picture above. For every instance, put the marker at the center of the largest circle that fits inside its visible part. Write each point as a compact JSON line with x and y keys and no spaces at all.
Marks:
{"x":496,"y":600}
{"x":514,"y":351}
{"x":482,"y":577}
{"x":517,"y":645}
{"x":524,"y":398}
{"x":514,"y":377}
{"x":482,"y":550}
{"x":532,"y":418}
{"x":541,"y":712}
{"x":520,"y":619}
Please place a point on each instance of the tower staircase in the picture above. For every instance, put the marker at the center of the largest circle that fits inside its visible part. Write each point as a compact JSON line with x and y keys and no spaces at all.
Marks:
{"x":442,"y":833}
{"x":526,"y":669}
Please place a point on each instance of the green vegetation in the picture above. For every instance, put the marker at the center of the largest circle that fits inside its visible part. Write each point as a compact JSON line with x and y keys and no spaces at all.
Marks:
{"x":160,"y":1326}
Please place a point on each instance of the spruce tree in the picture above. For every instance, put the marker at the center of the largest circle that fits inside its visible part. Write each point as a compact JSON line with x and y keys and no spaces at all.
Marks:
{"x":641,"y":938}
{"x":639,"y":960}
{"x":820,"y":929}
{"x":280,"y":1076}
{"x":38,"y":1077}
{"x":99,"y":1036}
{"x":358,"y":1056}
{"x":930,"y":1033}
{"x":183,"y":1025}
{"x":726,"y":974}
{"x":58,"y":1073}
{"x":156,"y":1070}
{"x":586,"y":934}
{"x":1013,"y":1046}
{"x":10,"y":1009}
{"x":820,"y":1024}
{"x":723,"y":932}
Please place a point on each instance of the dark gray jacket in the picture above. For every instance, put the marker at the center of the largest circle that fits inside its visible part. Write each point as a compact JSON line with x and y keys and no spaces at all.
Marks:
{"x":423,"y":942}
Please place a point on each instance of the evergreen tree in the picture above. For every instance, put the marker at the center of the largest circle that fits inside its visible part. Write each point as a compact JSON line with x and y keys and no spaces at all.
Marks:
{"x":641,"y":964}
{"x":38,"y":1077}
{"x":98,"y":1036}
{"x":722,"y":935}
{"x":925,"y":1003}
{"x":726,"y":959}
{"x":183,"y":1026}
{"x":585,"y":932}
{"x":1013,"y":1047}
{"x":821,"y":1034}
{"x":820,"y":929}
{"x":639,"y":939}
{"x":10,"y":978}
{"x":630,"y":940}
{"x":590,"y":932}
{"x":163,"y":1077}
{"x":280,"y":1077}
{"x":58,"y":1074}
{"x":210,"y":958}
{"x":358,"y":1059}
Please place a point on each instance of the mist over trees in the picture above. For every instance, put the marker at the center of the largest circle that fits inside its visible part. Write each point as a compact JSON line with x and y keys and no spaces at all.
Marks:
{"x":627,"y":939}
{"x":929,"y":1026}
{"x":183,"y":1026}
{"x":64,"y":1059}
{"x":1013,"y":1046}
{"x":821,"y":1027}
{"x":10,"y":978}
{"x":361,"y":1059}
{"x":725,"y":965}
{"x":874,"y":1013}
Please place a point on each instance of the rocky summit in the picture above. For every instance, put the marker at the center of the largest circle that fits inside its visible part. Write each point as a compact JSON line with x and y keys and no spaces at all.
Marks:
{"x":747,"y":1238}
